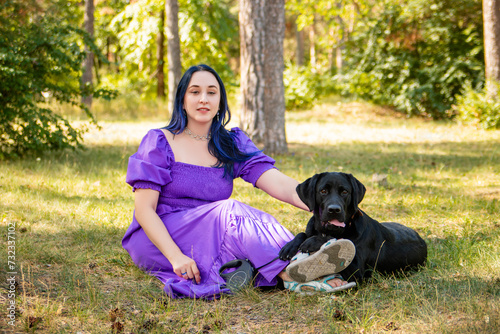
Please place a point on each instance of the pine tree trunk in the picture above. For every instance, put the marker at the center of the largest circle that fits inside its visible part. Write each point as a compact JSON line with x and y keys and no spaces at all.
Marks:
{"x":299,"y":36}
{"x":160,"y":53}
{"x":312,"y":45}
{"x":252,"y":85}
{"x":89,"y":60}
{"x":491,"y":21}
{"x":173,"y":50}
{"x":274,"y":93}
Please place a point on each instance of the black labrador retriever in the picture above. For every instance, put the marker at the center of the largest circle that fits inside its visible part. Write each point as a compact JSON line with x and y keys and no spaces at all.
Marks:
{"x":385,"y":247}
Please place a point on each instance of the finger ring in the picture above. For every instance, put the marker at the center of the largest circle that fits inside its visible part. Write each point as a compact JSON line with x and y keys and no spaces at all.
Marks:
{"x":184,"y":273}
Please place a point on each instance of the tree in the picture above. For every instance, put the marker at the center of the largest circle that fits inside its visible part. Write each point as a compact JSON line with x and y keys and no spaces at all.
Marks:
{"x":89,"y":59}
{"x":299,"y":37}
{"x":160,"y":52}
{"x":274,"y":93}
{"x":252,"y":39}
{"x":173,"y":50}
{"x":491,"y":31}
{"x":262,"y":29}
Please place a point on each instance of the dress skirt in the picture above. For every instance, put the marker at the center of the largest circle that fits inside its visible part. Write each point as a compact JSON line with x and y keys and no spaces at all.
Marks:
{"x":212,"y":234}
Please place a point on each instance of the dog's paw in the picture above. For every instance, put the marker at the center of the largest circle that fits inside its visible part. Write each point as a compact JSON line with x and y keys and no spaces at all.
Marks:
{"x":292,"y":247}
{"x":312,"y":244}
{"x":288,"y":251}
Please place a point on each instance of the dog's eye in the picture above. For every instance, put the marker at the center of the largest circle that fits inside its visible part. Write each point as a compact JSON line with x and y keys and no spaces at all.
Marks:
{"x":323,"y":192}
{"x":344,"y":192}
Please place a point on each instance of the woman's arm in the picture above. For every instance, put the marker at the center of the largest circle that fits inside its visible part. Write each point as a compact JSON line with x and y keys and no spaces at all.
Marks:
{"x":145,"y":213}
{"x":281,"y":187}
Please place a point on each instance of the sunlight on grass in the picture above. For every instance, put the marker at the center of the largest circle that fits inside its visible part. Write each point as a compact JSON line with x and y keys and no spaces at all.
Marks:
{"x":71,"y":210}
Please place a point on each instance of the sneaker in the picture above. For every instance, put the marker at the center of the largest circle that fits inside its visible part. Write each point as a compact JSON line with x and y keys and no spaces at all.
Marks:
{"x":333,"y":257}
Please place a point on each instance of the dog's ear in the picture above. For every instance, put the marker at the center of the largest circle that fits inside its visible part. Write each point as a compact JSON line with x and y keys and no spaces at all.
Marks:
{"x":358,"y":192}
{"x":307,"y":191}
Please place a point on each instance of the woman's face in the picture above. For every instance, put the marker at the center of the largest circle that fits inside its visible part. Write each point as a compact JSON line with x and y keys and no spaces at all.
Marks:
{"x":202,"y":98}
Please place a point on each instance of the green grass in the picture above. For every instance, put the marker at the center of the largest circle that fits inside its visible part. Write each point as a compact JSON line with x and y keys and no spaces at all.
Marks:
{"x":443,"y":179}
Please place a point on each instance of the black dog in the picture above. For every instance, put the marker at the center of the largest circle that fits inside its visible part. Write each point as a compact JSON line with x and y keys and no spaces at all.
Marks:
{"x":334,"y":199}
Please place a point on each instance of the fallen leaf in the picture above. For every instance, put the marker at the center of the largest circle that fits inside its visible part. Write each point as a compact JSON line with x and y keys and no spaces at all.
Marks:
{"x":117,"y":327}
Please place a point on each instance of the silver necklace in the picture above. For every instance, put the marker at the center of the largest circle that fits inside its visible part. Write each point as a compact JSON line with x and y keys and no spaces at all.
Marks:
{"x":197,"y":137}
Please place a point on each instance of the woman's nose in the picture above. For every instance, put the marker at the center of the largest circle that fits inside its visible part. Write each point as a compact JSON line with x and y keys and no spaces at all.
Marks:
{"x":203,"y":98}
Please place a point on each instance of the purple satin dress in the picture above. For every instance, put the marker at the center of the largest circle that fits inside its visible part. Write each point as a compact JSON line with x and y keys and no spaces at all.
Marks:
{"x":207,"y":226}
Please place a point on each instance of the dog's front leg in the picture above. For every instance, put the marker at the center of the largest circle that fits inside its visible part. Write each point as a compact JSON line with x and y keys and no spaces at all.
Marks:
{"x":292,"y":247}
{"x":313,"y":244}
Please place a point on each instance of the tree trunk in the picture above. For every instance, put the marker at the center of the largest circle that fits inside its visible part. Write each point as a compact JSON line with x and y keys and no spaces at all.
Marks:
{"x":299,"y":36}
{"x":160,"y":52}
{"x":274,"y":93}
{"x":252,"y":85}
{"x":491,"y":21}
{"x":89,"y":60}
{"x":173,"y":50}
{"x":341,"y":43}
{"x":312,"y":45}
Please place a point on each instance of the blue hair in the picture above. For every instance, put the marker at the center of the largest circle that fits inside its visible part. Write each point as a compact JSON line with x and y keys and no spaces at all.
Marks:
{"x":222,"y":144}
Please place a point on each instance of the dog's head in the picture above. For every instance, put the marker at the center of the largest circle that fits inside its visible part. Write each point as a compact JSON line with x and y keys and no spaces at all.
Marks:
{"x":333,"y":198}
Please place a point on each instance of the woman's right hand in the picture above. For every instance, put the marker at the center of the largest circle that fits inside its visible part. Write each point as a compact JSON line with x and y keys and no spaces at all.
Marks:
{"x":145,"y":213}
{"x":186,"y":268}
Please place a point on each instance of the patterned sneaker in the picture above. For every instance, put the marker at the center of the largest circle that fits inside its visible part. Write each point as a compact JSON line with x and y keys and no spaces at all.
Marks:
{"x":333,"y":257}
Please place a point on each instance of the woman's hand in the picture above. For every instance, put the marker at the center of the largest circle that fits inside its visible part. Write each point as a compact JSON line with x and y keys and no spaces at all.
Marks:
{"x":145,"y":213}
{"x":186,"y":268}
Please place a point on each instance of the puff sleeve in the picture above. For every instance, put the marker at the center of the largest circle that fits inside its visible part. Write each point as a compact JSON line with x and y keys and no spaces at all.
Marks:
{"x":150,"y":166}
{"x":251,"y":169}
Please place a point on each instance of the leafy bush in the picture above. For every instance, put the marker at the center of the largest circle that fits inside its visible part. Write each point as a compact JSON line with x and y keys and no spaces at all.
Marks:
{"x":477,"y":107}
{"x":418,"y":56}
{"x":38,"y":55}
{"x":303,"y":86}
{"x":300,"y":88}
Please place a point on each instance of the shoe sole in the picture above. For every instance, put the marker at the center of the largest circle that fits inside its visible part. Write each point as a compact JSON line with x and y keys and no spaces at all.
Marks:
{"x":330,"y":259}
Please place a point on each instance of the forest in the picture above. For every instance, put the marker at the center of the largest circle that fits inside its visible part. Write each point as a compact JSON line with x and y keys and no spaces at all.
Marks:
{"x":402,"y":94}
{"x":421,"y":58}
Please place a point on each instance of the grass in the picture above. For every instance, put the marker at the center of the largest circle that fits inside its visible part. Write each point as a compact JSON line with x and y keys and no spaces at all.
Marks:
{"x":71,"y":209}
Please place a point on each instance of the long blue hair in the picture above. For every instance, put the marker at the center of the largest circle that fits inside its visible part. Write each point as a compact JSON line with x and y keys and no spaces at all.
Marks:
{"x":222,"y":144}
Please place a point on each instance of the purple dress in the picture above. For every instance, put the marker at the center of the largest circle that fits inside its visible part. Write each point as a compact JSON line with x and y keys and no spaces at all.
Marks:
{"x":207,"y":226}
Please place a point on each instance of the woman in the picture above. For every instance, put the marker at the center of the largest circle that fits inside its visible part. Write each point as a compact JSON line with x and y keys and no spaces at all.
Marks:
{"x":185,"y":227}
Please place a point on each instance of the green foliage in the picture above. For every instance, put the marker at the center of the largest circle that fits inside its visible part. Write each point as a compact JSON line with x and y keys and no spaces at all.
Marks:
{"x":39,"y":55}
{"x":332,"y":21}
{"x":477,"y":107}
{"x":208,"y":30}
{"x":136,"y":28}
{"x":303,"y":86}
{"x":417,"y":56}
{"x":208,"y":33}
{"x":300,"y":86}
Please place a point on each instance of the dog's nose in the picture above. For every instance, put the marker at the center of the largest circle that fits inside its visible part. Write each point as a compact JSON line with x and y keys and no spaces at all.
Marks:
{"x":333,"y":208}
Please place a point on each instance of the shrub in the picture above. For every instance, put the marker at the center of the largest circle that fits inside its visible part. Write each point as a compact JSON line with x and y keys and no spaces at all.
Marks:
{"x":304,"y":85}
{"x":39,"y":55}
{"x":418,"y":56}
{"x":477,"y":107}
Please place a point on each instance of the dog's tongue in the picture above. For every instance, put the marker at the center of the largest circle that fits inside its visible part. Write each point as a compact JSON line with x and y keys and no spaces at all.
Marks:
{"x":336,"y":223}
